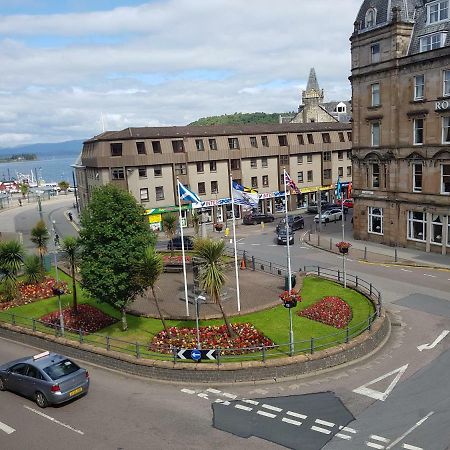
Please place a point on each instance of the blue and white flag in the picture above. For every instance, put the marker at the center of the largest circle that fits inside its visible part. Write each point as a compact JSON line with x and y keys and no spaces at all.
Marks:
{"x":244,"y":195}
{"x":187,"y":195}
{"x":339,"y":189}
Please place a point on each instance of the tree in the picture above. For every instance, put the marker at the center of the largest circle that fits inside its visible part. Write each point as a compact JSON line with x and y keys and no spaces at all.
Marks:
{"x":11,"y":259}
{"x":34,"y":272}
{"x":212,"y":272}
{"x":64,"y":185}
{"x":170,"y":226}
{"x":149,"y":271}
{"x":40,"y":237}
{"x":71,"y":250}
{"x":114,"y":234}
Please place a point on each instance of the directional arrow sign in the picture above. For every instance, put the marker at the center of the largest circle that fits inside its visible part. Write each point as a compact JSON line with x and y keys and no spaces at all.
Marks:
{"x":196,"y":354}
{"x":434,"y":343}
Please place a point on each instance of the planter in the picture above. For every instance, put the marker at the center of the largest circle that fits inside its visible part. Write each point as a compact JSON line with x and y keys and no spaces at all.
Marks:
{"x":218,"y":227}
{"x":343,"y":250}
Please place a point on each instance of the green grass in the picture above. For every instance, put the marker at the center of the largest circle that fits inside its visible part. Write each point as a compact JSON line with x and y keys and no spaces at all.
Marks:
{"x":274,"y":323}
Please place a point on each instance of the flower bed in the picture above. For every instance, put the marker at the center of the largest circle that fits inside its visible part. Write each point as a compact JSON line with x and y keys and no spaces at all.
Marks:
{"x":331,"y":311}
{"x":175,"y":259}
{"x":89,"y":319}
{"x":212,"y":337}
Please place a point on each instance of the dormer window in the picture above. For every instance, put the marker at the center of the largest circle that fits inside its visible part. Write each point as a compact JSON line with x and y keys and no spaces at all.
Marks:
{"x":432,"y":41}
{"x":371,"y":16}
{"x":437,"y":11}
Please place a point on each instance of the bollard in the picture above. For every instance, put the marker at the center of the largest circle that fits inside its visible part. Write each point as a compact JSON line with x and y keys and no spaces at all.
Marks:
{"x":395,"y":255}
{"x":331,"y":244}
{"x":309,"y":236}
{"x":312,"y":345}
{"x":365,"y":253}
{"x":34,"y":325}
{"x":13,"y":319}
{"x":356,"y":280}
{"x":318,"y":240}
{"x":270,"y":265}
{"x":370,"y":289}
{"x":253,"y":263}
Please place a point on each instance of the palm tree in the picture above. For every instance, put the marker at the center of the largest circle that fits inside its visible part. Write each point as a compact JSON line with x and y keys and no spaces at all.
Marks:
{"x":40,"y":237}
{"x":11,"y":258}
{"x":212,"y":272}
{"x":34,"y":272}
{"x":71,"y":249}
{"x":170,"y":227}
{"x":149,"y":270}
{"x":196,"y":222}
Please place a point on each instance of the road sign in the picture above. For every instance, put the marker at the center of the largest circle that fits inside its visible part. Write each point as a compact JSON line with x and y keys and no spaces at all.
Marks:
{"x":196,"y":355}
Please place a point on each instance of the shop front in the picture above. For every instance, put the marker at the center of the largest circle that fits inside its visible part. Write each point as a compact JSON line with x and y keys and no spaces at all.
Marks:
{"x":155,"y":215}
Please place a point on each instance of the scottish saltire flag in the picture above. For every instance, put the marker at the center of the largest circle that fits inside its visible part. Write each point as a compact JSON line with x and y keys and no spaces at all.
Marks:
{"x":339,"y":189}
{"x":244,"y":195}
{"x":290,"y":182}
{"x":187,"y":195}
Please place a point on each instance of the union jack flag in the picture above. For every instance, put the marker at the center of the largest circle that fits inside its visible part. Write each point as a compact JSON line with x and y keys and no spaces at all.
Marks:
{"x":290,"y":182}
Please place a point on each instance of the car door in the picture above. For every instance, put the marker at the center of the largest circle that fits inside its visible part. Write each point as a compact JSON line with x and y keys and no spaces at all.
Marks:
{"x":16,"y":377}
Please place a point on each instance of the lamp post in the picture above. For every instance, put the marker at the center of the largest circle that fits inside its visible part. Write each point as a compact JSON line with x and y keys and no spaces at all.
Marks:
{"x":57,"y":290}
{"x":197,"y":298}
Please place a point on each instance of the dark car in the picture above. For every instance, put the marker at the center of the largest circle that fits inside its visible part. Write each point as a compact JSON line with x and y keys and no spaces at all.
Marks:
{"x":175,"y":243}
{"x":314,"y":208}
{"x":255,"y":218}
{"x":47,"y":378}
{"x":295,"y":222}
{"x":282,"y":236}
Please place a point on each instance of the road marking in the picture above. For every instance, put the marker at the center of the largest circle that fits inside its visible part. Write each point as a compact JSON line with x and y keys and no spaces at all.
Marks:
{"x":343,"y":436}
{"x":251,"y":402}
{"x":245,"y":408}
{"x":411,"y":447}
{"x":187,"y":391}
{"x":255,"y":244}
{"x":324,"y":422}
{"x":264,"y":413}
{"x":232,"y":396}
{"x":379,"y":438}
{"x":213,"y":391}
{"x":7,"y":429}
{"x":52,"y":419}
{"x":434,"y":343}
{"x":291,"y":421}
{"x":420,"y":422}
{"x":428,"y":275}
{"x":294,"y":414}
{"x":348,"y":429}
{"x":203,"y":395}
{"x":320,"y":430}
{"x":406,"y":270}
{"x":222,"y":402}
{"x":377,"y":446}
{"x":377,"y":395}
{"x":273,"y":408}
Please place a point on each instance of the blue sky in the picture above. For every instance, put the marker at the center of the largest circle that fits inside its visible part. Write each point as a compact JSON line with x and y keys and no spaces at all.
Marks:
{"x":66,"y":64}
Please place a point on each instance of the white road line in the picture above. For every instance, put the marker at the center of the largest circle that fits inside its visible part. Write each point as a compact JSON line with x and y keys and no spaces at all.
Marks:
{"x":7,"y":429}
{"x":291,"y":421}
{"x":232,"y":396}
{"x":251,"y":402}
{"x":187,"y":391}
{"x":324,"y":422}
{"x":320,"y":430}
{"x":245,"y":408}
{"x":343,"y":436}
{"x":52,"y":419}
{"x":406,"y":270}
{"x":377,"y":446}
{"x":428,"y":275}
{"x":294,"y":414}
{"x":213,"y":391}
{"x":411,"y":447}
{"x":255,"y":244}
{"x":203,"y":395}
{"x":222,"y":402}
{"x":379,"y":438}
{"x":264,"y":413}
{"x":273,"y":408}
{"x":348,"y":429}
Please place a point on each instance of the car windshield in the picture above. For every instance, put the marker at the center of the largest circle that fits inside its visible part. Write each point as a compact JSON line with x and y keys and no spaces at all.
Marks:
{"x":61,"y":369}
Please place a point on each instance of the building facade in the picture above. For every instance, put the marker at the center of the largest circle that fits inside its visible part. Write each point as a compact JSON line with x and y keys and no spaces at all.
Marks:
{"x":401,"y":123}
{"x":147,"y":162}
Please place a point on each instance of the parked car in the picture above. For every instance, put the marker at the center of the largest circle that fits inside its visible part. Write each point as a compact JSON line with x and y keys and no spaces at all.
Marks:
{"x":313,"y":206}
{"x":175,"y":243}
{"x":47,"y":378}
{"x":329,"y":215}
{"x":348,"y":202}
{"x":255,"y":218}
{"x":295,"y":222}
{"x":282,"y":236}
{"x":334,"y":206}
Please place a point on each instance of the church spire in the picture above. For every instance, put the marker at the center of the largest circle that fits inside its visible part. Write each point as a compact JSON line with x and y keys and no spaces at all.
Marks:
{"x":312,"y":81}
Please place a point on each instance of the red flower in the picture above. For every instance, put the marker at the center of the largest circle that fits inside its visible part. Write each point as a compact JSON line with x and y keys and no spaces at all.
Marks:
{"x":331,"y":311}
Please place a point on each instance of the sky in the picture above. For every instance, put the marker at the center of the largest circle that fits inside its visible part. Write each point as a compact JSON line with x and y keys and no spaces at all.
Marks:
{"x":71,"y":68}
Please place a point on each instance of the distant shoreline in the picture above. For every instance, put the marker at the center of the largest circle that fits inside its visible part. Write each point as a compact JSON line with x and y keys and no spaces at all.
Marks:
{"x":23,"y":157}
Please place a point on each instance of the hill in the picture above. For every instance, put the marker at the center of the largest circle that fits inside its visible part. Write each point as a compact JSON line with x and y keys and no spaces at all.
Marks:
{"x":239,"y":118}
{"x":68,"y":148}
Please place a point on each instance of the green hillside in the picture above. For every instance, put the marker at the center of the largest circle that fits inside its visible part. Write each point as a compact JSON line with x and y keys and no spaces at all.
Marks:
{"x":239,"y":118}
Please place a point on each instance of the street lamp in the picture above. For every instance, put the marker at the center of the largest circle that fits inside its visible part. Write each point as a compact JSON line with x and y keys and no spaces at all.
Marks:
{"x":197,"y":298}
{"x":57,"y":290}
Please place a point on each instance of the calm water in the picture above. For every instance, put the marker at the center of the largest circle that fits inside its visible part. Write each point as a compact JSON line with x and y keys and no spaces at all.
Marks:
{"x":55,"y":169}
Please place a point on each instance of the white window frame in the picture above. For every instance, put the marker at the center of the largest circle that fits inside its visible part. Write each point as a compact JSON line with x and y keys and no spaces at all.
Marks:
{"x":375,"y":90}
{"x":437,"y":222}
{"x":375,"y":177}
{"x":446,"y":83}
{"x":419,"y":87}
{"x":412,"y":221}
{"x":443,"y":191}
{"x":440,"y":10}
{"x":300,"y":177}
{"x":432,"y":41}
{"x":371,"y":215}
{"x":375,"y":138}
{"x":299,"y":160}
{"x":416,"y":175}
{"x":416,"y":129}
{"x":446,"y":130}
{"x":143,"y":194}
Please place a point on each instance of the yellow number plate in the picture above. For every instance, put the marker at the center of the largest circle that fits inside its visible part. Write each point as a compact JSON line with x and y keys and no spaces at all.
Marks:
{"x":75,"y":392}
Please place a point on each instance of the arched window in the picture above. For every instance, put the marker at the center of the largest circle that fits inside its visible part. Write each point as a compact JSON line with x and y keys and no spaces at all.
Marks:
{"x":371,"y":17}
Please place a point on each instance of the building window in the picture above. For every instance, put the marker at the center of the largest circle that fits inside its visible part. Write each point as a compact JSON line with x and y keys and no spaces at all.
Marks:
{"x":140,"y":147}
{"x":371,"y":17}
{"x":446,"y":130}
{"x":375,"y":94}
{"x":327,"y":156}
{"x":253,"y":163}
{"x":200,"y":167}
{"x":284,"y":160}
{"x":214,"y":187}
{"x":300,"y":177}
{"x":349,"y":171}
{"x":199,"y":145}
{"x":349,"y":154}
{"x":254,"y":182}
{"x":299,"y":159}
{"x":327,"y":174}
{"x":418,"y":131}
{"x":309,"y":158}
{"x":340,"y":171}
{"x":159,"y":192}
{"x":300,"y":139}
{"x":117,"y":173}
{"x":419,"y":87}
{"x":375,"y":220}
{"x":375,"y":53}
{"x":326,"y":138}
{"x":417,"y":226}
{"x":349,"y":135}
{"x":143,"y":194}
{"x":264,"y":162}
{"x":310,"y":176}
{"x":437,"y":11}
{"x":265,"y":180}
{"x":375,"y":176}
{"x":375,"y":134}
{"x":201,"y":188}
{"x":116,"y":149}
{"x":156,"y":145}
{"x":253,"y":141}
{"x":282,"y":140}
{"x":341,"y":136}
{"x":235,"y":164}
{"x":233,"y":143}
{"x":432,"y":41}
{"x":213,"y":166}
{"x":436,"y":229}
{"x":157,"y":171}
{"x":310,"y":138}
{"x":180,"y":169}
{"x":212,"y":144}
{"x":446,"y":82}
{"x":142,"y":171}
{"x":281,"y":179}
{"x":445,"y":179}
{"x":265,"y":141}
{"x":178,"y":146}
{"x":340,"y":155}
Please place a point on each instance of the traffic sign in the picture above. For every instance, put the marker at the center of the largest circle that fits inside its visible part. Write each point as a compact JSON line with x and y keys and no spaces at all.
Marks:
{"x":196,"y":354}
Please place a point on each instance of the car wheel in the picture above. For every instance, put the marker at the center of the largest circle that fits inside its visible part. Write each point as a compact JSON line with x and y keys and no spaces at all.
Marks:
{"x":2,"y":385}
{"x":40,"y":400}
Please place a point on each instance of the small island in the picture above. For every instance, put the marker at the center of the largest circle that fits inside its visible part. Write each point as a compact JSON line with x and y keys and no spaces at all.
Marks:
{"x":19,"y":157}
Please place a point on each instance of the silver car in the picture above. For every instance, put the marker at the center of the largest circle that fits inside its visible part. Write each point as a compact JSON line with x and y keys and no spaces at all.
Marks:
{"x":329,"y":215}
{"x":47,"y":378}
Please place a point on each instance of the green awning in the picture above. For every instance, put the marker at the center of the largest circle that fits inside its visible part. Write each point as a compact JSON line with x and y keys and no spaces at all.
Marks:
{"x":166,"y":209}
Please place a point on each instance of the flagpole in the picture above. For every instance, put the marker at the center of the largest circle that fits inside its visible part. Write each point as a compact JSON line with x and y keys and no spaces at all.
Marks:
{"x":235,"y":247}
{"x":341,"y":197}
{"x":182,"y":251}
{"x":291,"y":332}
